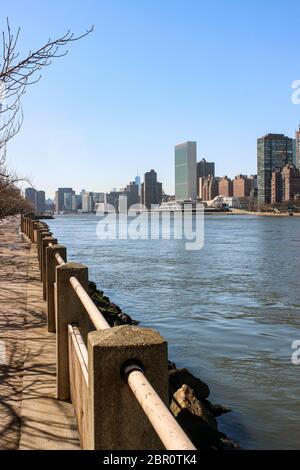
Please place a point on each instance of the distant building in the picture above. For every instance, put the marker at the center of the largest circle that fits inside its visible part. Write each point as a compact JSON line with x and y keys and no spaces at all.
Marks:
{"x":132,"y":193}
{"x":40,"y":202}
{"x":210,"y":187}
{"x":204,"y":169}
{"x":138,"y":182}
{"x":87,"y":203}
{"x":112,"y":198}
{"x":78,"y":201}
{"x":31,"y":196}
{"x":186,"y":171}
{"x":273,"y":151}
{"x":242,"y":186}
{"x":37,"y":199}
{"x":64,"y":200}
{"x":285,"y":185}
{"x":298,"y":148}
{"x":151,"y":190}
{"x":226,"y":187}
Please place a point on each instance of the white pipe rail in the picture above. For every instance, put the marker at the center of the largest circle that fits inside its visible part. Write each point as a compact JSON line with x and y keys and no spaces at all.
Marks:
{"x":59,"y":259}
{"x":95,"y":315}
{"x":168,"y":430}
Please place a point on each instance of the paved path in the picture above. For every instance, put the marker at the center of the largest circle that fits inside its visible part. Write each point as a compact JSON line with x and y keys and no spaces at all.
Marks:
{"x":30,"y":416}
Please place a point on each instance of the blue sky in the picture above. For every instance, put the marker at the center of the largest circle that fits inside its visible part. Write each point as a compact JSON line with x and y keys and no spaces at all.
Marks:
{"x":154,"y":73}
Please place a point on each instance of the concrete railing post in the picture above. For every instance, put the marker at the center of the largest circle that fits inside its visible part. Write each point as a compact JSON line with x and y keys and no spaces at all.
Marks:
{"x":42,"y":235}
{"x":45,"y":242}
{"x":51,"y":264}
{"x":40,"y":228}
{"x":32,"y":230}
{"x":69,"y":310}
{"x":34,"y":235}
{"x":116,"y":420}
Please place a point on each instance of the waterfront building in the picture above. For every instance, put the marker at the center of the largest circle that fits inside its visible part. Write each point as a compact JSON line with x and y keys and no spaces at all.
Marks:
{"x":204,"y":169}
{"x":78,"y":201}
{"x":132,"y":193}
{"x":186,"y":171}
{"x":151,"y":190}
{"x":226,"y":187}
{"x":87,"y":203}
{"x":112,"y":198}
{"x":210,"y":188}
{"x":63,"y":200}
{"x":242,"y":186}
{"x":40,"y":202}
{"x":31,"y":196}
{"x":298,"y":148}
{"x":273,"y":151}
{"x":285,"y":185}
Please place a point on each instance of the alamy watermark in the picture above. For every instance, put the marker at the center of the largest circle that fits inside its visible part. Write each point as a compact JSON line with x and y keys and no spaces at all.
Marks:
{"x":139,"y":223}
{"x":296,"y":353}
{"x":296,"y":93}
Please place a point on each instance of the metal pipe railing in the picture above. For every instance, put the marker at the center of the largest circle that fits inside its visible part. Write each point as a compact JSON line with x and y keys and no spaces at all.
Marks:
{"x":168,"y":430}
{"x":92,"y":310}
{"x":59,"y":259}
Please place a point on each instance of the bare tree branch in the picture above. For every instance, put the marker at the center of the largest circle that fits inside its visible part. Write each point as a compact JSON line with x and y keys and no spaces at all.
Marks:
{"x":16,"y":75}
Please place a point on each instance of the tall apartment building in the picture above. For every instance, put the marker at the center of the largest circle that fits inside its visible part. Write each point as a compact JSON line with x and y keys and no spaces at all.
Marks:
{"x":40,"y":202}
{"x":226,"y":187}
{"x":64,"y":201}
{"x":298,"y":148}
{"x":186,"y":171}
{"x":87,"y":203}
{"x":132,"y":193}
{"x":210,"y":187}
{"x":285,"y":185}
{"x":151,"y":190}
{"x":273,"y":151}
{"x":204,"y":169}
{"x":31,"y":196}
{"x":37,"y":199}
{"x":242,"y":186}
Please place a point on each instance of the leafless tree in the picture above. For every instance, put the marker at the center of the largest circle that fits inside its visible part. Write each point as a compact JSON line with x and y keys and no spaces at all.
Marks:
{"x":16,"y":75}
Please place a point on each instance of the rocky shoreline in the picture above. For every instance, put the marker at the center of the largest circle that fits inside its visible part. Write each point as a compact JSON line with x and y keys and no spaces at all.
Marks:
{"x":188,"y":395}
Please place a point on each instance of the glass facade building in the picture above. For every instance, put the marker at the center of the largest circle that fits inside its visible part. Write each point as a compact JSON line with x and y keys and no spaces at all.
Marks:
{"x":297,"y":162}
{"x":186,"y":171}
{"x":273,"y":151}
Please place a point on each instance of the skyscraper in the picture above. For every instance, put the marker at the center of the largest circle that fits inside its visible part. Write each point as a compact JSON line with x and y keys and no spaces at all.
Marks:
{"x":63,"y":199}
{"x":204,"y":169}
{"x":273,"y":151}
{"x":31,"y":196}
{"x":151,"y":190}
{"x":186,"y":171}
{"x":40,"y":202}
{"x":132,"y":193}
{"x":298,"y":148}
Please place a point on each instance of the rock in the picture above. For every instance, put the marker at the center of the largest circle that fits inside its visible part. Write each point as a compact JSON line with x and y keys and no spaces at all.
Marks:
{"x":216,"y":410}
{"x":180,"y":377}
{"x":226,"y":444}
{"x":194,"y":418}
{"x":171,"y":365}
{"x":111,"y":312}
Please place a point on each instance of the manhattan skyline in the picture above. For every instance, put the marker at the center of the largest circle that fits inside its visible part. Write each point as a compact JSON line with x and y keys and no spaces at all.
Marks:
{"x":158,"y":75}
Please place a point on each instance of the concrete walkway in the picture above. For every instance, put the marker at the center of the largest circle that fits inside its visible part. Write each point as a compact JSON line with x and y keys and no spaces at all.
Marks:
{"x":30,"y":416}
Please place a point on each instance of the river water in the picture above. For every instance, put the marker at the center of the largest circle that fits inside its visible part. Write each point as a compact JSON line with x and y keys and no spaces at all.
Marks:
{"x":230,"y":312}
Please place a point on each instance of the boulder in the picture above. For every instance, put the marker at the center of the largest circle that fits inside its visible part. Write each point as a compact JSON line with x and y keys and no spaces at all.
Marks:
{"x":194,"y":418}
{"x":180,"y":377}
